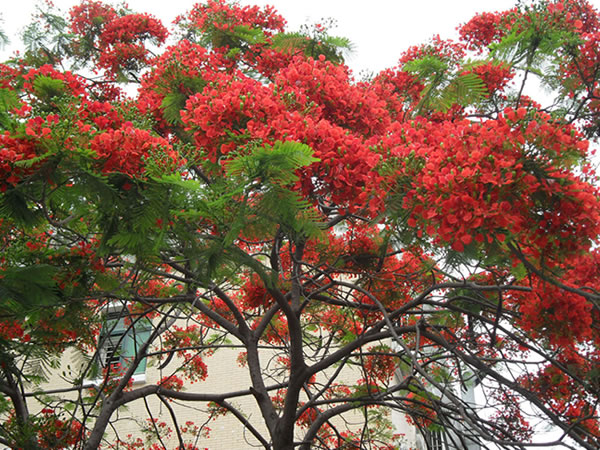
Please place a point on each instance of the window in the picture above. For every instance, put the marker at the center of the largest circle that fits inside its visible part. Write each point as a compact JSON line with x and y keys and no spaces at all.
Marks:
{"x":120,"y":340}
{"x":436,"y":440}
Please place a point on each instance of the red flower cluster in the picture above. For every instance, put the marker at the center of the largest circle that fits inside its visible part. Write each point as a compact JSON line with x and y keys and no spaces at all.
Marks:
{"x":447,"y":50}
{"x":329,"y":89}
{"x":13,"y":150}
{"x":90,"y":16}
{"x":119,"y":39}
{"x":231,"y":111}
{"x":486,"y":28}
{"x":124,"y":150}
{"x":444,"y":162}
{"x":11,"y":330}
{"x":494,"y":76}
{"x":56,"y":433}
{"x":254,"y":294}
{"x":223,"y":16}
{"x":379,"y":365}
{"x":71,"y":84}
{"x":171,"y":382}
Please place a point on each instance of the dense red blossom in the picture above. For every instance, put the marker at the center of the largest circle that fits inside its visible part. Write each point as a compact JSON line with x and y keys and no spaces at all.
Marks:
{"x":90,"y":16}
{"x":11,"y":330}
{"x":335,"y":97}
{"x":494,"y":76}
{"x":485,"y":28}
{"x":496,"y":153}
{"x":183,"y":70}
{"x":172,"y":382}
{"x":73,"y":84}
{"x":447,"y":50}
{"x":399,"y":89}
{"x":220,"y":15}
{"x":579,"y":15}
{"x":254,"y":294}
{"x":103,"y":115}
{"x":229,"y":112}
{"x":562,"y":317}
{"x":13,"y":150}
{"x":118,"y":39}
{"x":123,"y":150}
{"x":131,"y":28}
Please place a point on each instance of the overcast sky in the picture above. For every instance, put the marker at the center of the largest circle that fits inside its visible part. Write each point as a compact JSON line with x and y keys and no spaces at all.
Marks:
{"x":379,"y":29}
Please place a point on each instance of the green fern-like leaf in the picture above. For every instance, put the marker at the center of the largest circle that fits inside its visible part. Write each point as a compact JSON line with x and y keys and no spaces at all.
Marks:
{"x":276,"y":164}
{"x":443,"y":89}
{"x":290,"y":211}
{"x":8,"y":101}
{"x":249,"y":35}
{"x":290,"y":41}
{"x":15,"y":206}
{"x":332,"y":47}
{"x":270,"y":170}
{"x":429,"y":68}
{"x":171,"y":105}
{"x":4,"y":41}
{"x":25,"y":289}
{"x":47,"y":40}
{"x":464,"y":90}
{"x":47,"y":88}
{"x":340,"y":42}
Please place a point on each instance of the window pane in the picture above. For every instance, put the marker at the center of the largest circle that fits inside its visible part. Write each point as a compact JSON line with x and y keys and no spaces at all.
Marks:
{"x":136,"y":338}
{"x":437,"y":440}
{"x":120,"y":341}
{"x":111,"y":353}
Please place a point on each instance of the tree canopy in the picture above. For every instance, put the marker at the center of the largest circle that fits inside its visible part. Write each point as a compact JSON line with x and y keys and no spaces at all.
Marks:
{"x":364,"y":245}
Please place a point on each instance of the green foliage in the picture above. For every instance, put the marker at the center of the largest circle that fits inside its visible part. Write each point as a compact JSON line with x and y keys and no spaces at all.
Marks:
{"x":133,"y":222}
{"x":39,"y":365}
{"x":15,"y":206}
{"x":255,"y":199}
{"x":5,"y":405}
{"x":237,"y":39}
{"x":46,"y":88}
{"x":269,"y":173}
{"x":381,"y":427}
{"x":531,"y":41}
{"x":332,"y":47}
{"x":275,"y":164}
{"x":249,"y":35}
{"x":466,"y":89}
{"x":8,"y":101}
{"x":442,"y":88}
{"x":429,"y":67}
{"x":538,"y":44}
{"x":290,"y":41}
{"x":519,"y":271}
{"x":172,"y":105}
{"x":25,"y":290}
{"x":4,"y":41}
{"x":47,"y":40}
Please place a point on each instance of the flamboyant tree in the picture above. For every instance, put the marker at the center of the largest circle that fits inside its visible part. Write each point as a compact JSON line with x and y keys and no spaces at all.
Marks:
{"x":366,"y":246}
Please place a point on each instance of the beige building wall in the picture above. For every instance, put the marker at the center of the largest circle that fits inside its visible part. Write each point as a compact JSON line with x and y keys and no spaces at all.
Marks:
{"x":226,"y":432}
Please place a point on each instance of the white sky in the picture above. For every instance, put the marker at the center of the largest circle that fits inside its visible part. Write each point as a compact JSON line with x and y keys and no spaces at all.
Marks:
{"x":379,"y":29}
